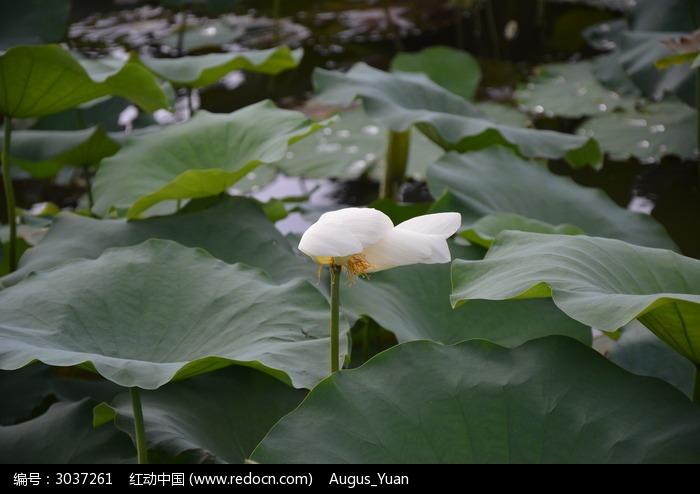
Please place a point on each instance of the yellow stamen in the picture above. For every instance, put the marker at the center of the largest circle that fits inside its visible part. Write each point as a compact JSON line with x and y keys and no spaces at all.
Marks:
{"x":357,"y":265}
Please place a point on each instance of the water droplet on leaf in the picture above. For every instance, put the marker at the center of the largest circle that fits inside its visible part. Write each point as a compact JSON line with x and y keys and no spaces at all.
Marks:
{"x":370,"y":130}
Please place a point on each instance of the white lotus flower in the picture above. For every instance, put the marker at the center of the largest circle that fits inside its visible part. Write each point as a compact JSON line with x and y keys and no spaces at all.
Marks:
{"x":365,"y":240}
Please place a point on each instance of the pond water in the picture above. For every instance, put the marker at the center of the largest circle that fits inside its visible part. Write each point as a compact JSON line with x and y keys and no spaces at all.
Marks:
{"x":336,"y":34}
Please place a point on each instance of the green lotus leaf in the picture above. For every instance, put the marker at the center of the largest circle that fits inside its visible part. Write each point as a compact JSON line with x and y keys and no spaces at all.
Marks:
{"x":496,"y":181}
{"x":199,"y":158}
{"x":42,"y":153}
{"x":600,"y":282}
{"x":413,"y":303}
{"x":233,"y":230}
{"x":631,"y":68}
{"x":606,"y":35}
{"x":484,"y":231}
{"x":204,"y":70}
{"x":670,"y":15}
{"x":455,"y":70}
{"x":633,"y":65}
{"x":45,"y":79}
{"x":36,"y":386}
{"x":401,"y":100}
{"x":64,"y":434}
{"x":216,"y":418}
{"x":103,"y":112}
{"x":640,"y":352}
{"x":568,"y":90}
{"x":503,"y":114}
{"x":33,"y":22}
{"x":648,"y":133}
{"x":352,"y":146}
{"x":551,"y":400}
{"x":159,"y":311}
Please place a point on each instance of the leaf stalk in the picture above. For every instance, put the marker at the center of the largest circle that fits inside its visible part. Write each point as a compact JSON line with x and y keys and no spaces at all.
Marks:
{"x":141,"y":450}
{"x":9,"y":194}
{"x":396,"y":162}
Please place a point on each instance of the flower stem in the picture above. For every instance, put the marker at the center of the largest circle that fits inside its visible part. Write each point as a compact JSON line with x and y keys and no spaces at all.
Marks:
{"x":181,"y":28}
{"x":696,"y":388}
{"x":335,"y":316}
{"x":190,"y":104}
{"x":396,"y":161}
{"x":141,"y":450}
{"x":9,"y":194}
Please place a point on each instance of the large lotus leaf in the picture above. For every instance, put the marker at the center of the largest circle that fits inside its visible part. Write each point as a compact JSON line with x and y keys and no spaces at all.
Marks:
{"x":651,"y":22}
{"x":219,"y":417}
{"x":203,"y":70}
{"x":42,"y":153}
{"x":413,"y":303}
{"x":496,"y":181}
{"x":455,"y":70}
{"x":484,"y":231}
{"x":234,"y":230}
{"x":159,"y":311}
{"x":503,"y":114}
{"x":36,"y":386}
{"x":33,"y":22}
{"x":551,"y":400}
{"x":353,"y":145}
{"x":568,"y":90}
{"x":610,"y":73}
{"x":642,"y":353}
{"x":669,"y":15}
{"x":64,"y":434}
{"x":606,"y":35}
{"x":45,"y":79}
{"x":202,"y":157}
{"x":638,"y":55}
{"x":648,"y":133}
{"x":601,"y":282}
{"x":103,"y":112}
{"x":634,"y":65}
{"x":28,"y":387}
{"x":400,"y":100}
